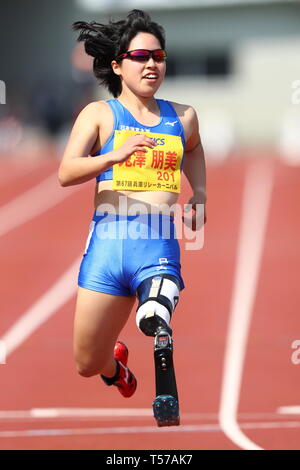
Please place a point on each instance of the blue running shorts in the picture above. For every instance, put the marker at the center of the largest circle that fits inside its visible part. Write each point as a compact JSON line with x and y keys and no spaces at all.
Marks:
{"x":122,"y":251}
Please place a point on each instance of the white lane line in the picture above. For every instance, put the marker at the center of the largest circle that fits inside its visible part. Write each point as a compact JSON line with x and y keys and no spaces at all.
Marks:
{"x":113,"y":430}
{"x":189,"y":428}
{"x":42,"y":413}
{"x":255,"y":209}
{"x":119,"y":413}
{"x":289,"y":410}
{"x":61,"y":291}
{"x":32,"y":203}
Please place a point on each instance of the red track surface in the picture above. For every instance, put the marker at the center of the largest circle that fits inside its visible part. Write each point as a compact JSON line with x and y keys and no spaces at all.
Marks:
{"x":40,"y":373}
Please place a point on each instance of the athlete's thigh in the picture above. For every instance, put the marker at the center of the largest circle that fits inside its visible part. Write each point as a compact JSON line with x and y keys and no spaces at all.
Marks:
{"x":99,"y":319}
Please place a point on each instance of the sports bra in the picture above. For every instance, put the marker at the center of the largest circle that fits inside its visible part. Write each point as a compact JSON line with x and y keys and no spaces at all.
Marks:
{"x":123,"y":120}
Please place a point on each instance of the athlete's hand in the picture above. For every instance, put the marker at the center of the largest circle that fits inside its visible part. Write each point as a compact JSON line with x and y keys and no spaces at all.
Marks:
{"x":197,"y":203}
{"x":136,"y":143}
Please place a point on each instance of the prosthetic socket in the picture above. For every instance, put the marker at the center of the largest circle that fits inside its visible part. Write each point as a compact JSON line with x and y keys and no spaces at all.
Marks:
{"x":158,"y":297}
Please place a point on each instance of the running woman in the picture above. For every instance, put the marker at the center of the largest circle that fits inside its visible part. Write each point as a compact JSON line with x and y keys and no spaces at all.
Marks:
{"x":136,"y":146}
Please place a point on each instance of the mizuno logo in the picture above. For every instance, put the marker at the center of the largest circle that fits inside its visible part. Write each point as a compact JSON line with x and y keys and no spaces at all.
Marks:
{"x":171,"y":123}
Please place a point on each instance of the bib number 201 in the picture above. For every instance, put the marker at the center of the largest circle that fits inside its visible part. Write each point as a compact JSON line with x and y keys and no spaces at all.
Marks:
{"x":165,"y":176}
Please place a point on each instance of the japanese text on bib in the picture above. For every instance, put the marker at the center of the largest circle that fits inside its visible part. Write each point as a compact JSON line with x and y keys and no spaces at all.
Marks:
{"x":156,"y":170}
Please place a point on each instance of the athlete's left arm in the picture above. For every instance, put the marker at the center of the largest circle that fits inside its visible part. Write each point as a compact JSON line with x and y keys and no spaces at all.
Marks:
{"x":194,"y":166}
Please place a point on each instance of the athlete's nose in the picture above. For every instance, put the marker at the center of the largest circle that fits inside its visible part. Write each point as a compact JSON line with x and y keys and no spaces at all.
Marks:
{"x":150,"y":61}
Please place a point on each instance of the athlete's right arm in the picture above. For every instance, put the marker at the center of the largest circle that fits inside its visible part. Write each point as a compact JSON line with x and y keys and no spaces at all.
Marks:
{"x":77,"y":166}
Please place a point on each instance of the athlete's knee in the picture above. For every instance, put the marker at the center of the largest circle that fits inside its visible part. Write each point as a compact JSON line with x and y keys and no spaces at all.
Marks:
{"x":89,"y":367}
{"x":158,"y":297}
{"x":86,"y":370}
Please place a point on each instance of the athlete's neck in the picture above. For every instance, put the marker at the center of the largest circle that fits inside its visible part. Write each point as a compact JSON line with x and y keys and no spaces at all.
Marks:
{"x":140,"y":104}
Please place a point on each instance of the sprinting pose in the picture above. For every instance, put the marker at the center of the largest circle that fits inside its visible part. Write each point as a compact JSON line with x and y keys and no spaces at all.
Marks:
{"x":136,"y":146}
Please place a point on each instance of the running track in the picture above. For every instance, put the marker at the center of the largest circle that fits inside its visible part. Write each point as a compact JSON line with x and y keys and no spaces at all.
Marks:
{"x":233,"y":328}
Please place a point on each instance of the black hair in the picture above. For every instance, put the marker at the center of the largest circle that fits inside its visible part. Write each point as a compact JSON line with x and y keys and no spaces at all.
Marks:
{"x":105,"y":42}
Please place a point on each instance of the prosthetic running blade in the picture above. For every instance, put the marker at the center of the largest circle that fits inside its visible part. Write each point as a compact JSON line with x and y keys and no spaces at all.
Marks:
{"x":165,"y":406}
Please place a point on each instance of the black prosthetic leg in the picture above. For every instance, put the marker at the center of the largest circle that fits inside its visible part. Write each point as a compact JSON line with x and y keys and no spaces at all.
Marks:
{"x":165,"y":405}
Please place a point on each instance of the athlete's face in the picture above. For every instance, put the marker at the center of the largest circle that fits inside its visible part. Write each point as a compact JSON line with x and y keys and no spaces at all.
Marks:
{"x":132,"y":73}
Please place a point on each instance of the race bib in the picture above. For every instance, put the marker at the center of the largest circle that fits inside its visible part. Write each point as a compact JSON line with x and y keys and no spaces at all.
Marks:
{"x":156,"y":170}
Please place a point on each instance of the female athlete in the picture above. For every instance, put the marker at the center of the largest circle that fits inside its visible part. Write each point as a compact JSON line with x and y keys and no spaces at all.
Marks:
{"x":136,"y":147}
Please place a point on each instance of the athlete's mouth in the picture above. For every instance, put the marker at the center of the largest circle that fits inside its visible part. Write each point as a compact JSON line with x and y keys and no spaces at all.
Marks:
{"x":151,"y":76}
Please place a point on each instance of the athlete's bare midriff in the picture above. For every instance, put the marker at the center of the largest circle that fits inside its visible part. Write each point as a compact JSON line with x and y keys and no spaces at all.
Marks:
{"x":152,"y":201}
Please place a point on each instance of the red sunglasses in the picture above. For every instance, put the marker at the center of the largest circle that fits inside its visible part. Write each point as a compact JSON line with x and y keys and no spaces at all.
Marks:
{"x":143,"y":55}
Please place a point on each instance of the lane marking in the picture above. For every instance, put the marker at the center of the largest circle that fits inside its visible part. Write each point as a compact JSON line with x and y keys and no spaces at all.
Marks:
{"x":60,"y":292}
{"x":119,"y":413}
{"x":76,"y":413}
{"x":32,"y":203}
{"x":289,"y":410}
{"x":255,"y":209}
{"x":141,"y":430}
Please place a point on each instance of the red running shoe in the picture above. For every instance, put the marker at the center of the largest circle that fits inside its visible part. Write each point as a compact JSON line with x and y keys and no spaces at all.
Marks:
{"x":121,"y":353}
{"x":126,"y":382}
{"x":124,"y":378}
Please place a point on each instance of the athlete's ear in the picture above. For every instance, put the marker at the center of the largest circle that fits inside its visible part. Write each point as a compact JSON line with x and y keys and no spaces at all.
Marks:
{"x":116,"y":67}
